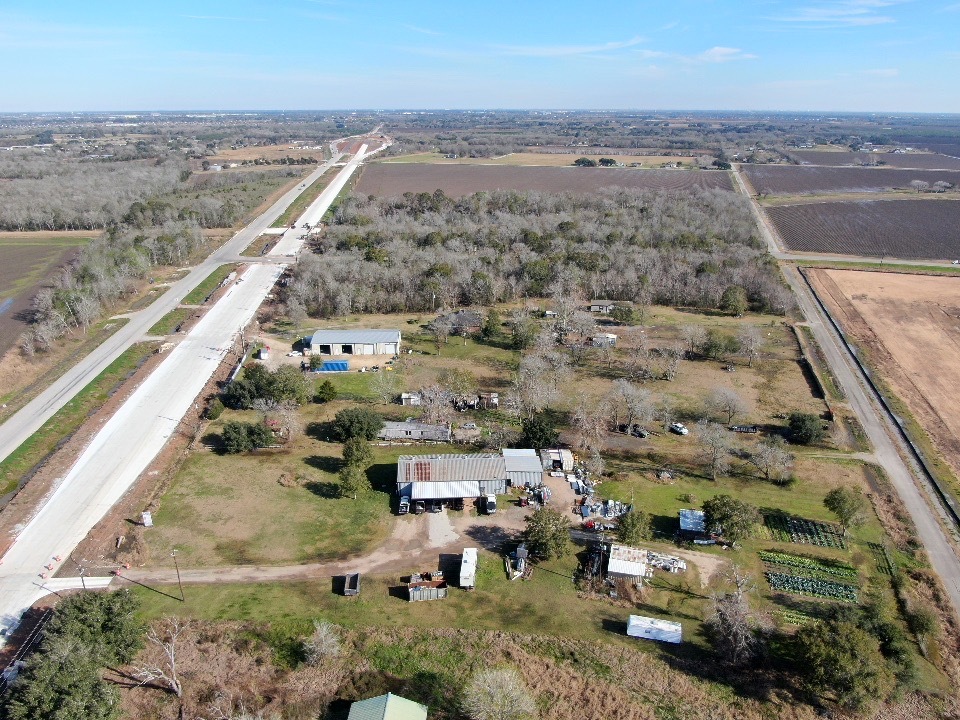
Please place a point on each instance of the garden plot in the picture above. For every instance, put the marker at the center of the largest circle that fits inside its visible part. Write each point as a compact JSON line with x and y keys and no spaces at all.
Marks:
{"x":784,"y":528}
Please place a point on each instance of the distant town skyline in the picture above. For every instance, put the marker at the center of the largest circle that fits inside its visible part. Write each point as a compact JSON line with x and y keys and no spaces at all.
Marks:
{"x":831,"y":55}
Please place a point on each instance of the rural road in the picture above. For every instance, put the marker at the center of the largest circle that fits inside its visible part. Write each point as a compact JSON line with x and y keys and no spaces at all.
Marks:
{"x":884,"y":439}
{"x":133,"y":436}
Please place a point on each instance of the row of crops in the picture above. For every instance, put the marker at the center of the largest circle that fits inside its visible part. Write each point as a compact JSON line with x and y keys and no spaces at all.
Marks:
{"x":814,"y":587}
{"x":784,"y":528}
{"x":808,"y":565}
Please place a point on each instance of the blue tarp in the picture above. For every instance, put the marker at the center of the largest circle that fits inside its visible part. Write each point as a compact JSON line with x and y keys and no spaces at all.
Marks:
{"x":335,"y":366}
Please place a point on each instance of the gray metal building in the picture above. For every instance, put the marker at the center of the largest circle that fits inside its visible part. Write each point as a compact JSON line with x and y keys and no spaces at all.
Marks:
{"x":411,"y":431}
{"x":353,"y":342}
{"x":442,"y":477}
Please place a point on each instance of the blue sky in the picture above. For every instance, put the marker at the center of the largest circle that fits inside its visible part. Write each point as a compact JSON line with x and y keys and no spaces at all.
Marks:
{"x":856,"y":55}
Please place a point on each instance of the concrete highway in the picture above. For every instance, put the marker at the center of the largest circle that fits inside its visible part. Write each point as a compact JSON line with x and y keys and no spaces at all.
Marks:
{"x":129,"y":440}
{"x":22,"y":424}
{"x":918,"y":498}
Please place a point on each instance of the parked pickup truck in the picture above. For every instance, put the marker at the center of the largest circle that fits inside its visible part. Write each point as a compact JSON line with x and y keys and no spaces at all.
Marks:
{"x":404,"y":507}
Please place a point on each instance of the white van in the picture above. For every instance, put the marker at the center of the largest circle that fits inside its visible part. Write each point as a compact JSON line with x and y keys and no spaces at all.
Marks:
{"x":490,"y":504}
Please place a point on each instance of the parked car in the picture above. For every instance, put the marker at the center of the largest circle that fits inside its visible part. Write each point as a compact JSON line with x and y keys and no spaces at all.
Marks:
{"x":457,"y":504}
{"x":435,"y":506}
{"x":490,"y":504}
{"x":638,"y":431}
{"x":419,"y":508}
{"x":469,"y":426}
{"x":295,"y":353}
{"x":404,"y":507}
{"x":679,"y":429}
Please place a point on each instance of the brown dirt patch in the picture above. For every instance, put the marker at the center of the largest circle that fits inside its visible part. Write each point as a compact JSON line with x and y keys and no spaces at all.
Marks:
{"x":909,"y":329}
{"x":457,"y":180}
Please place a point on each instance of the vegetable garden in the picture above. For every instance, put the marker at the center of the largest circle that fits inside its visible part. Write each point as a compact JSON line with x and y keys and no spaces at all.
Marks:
{"x":785,"y":528}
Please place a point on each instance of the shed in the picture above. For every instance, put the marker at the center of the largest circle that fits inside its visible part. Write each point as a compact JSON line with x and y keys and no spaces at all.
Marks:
{"x":468,"y":568}
{"x":411,"y":431}
{"x":438,"y":477}
{"x":604,"y":340}
{"x":413,"y":399}
{"x":629,"y":563}
{"x":387,"y":707}
{"x":693,"y":522}
{"x":524,"y":468}
{"x":353,"y":342}
{"x":650,"y":628}
{"x":558,"y":459}
{"x":488,"y":400}
{"x":601,"y":306}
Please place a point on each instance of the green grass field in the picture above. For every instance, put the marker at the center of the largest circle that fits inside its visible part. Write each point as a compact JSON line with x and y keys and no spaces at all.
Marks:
{"x":208,"y":285}
{"x":168,"y":323}
{"x":304,"y":199}
{"x":69,"y":418}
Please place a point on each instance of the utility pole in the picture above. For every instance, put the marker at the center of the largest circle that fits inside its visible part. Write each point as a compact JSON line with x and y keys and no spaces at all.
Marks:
{"x":179,"y":582}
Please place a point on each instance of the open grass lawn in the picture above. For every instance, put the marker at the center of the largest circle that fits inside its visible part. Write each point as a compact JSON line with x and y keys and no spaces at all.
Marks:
{"x":169,"y":322}
{"x":70,"y":417}
{"x":547,"y":604}
{"x":303,"y":200}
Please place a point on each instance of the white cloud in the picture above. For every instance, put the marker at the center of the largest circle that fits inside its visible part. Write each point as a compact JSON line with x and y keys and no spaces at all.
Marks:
{"x":723,"y":54}
{"x":565,"y":50}
{"x":840,"y":13}
{"x":883,"y":72}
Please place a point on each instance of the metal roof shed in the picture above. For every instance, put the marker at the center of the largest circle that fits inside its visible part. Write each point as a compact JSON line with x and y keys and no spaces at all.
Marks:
{"x":387,"y":707}
{"x":468,"y":568}
{"x":650,"y":628}
{"x":628,"y":562}
{"x":693,"y":521}
{"x":444,"y":490}
{"x":523,"y":467}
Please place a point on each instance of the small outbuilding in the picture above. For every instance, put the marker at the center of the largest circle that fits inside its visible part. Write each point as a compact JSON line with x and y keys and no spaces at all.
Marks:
{"x":445,"y":477}
{"x":412,"y":399}
{"x":468,"y":568}
{"x":628,"y":563}
{"x":387,"y":707}
{"x":558,"y":459}
{"x":352,"y":342}
{"x":464,"y":322}
{"x":524,"y":468}
{"x":650,"y":628}
{"x":693,"y":523}
{"x":411,"y":431}
{"x":601,"y":306}
{"x":604,"y":340}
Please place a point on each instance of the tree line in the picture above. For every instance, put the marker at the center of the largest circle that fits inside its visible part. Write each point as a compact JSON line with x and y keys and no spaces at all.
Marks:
{"x":423,"y":251}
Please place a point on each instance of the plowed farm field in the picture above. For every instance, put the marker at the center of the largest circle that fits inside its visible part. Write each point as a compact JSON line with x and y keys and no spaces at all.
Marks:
{"x":909,"y":329}
{"x":919,"y":161}
{"x":798,"y":180}
{"x":385,"y":179}
{"x":910,"y":229}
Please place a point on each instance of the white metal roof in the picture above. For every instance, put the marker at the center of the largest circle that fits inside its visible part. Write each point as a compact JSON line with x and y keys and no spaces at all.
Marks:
{"x":444,"y":490}
{"x":450,"y":468}
{"x":521,"y":460}
{"x":627,"y":561}
{"x":357,"y":337}
{"x":654,"y":629}
{"x":468,"y":568}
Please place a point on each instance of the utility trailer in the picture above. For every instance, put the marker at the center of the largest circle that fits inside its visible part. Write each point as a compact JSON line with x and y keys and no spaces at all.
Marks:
{"x":351,"y":584}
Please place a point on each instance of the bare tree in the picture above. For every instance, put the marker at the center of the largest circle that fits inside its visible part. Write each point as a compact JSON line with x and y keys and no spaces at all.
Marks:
{"x":297,"y":313}
{"x":590,"y":423}
{"x":736,"y":629}
{"x":715,"y":443}
{"x":920,"y":185}
{"x":440,"y":329}
{"x":941,"y":186}
{"x":498,"y":694}
{"x":666,"y":411}
{"x":323,"y":644}
{"x":751,"y":340}
{"x":674,"y":355}
{"x":595,"y":464}
{"x":773,"y":459}
{"x":437,"y":403}
{"x":638,"y":354}
{"x":726,"y":402}
{"x":694,"y":336}
{"x":164,"y":635}
{"x":224,"y":707}
{"x":385,"y":385}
